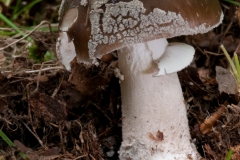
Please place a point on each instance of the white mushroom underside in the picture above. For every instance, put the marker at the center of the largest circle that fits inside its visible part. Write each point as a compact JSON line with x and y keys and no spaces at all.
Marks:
{"x":176,"y":57}
{"x":65,"y":50}
{"x":151,"y":104}
{"x":69,"y":19}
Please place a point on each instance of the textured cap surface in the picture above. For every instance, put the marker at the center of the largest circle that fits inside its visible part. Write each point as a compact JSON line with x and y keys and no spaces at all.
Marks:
{"x":102,"y":26}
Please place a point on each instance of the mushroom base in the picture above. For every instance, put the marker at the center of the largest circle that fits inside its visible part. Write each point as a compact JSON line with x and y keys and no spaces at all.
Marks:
{"x":155,"y":125}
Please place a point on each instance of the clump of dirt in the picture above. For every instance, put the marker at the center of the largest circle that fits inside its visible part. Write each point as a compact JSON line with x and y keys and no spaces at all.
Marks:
{"x":44,"y":109}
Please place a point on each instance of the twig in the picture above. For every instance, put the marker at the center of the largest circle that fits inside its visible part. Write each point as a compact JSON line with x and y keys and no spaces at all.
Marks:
{"x":80,"y":157}
{"x":56,"y":90}
{"x":212,"y":53}
{"x":43,"y":22}
{"x":198,"y":47}
{"x":28,"y":98}
{"x":228,"y":28}
{"x":208,"y":124}
{"x":35,"y":71}
{"x":39,"y":74}
{"x":36,"y":136}
{"x":61,"y":137}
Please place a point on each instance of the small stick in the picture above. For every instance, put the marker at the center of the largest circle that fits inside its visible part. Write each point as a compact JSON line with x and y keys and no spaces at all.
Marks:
{"x":56,"y":90}
{"x":43,"y":22}
{"x":35,"y":71}
{"x":36,"y":136}
{"x":207,"y":125}
{"x":39,"y":73}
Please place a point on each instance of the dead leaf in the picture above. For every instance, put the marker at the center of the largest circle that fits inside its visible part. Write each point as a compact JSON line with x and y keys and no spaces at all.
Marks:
{"x":48,"y":108}
{"x":86,"y":82}
{"x":226,"y":81}
{"x":203,"y":74}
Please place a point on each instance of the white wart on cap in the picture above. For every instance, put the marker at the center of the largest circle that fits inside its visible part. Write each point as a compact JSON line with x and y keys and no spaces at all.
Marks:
{"x":103,"y":26}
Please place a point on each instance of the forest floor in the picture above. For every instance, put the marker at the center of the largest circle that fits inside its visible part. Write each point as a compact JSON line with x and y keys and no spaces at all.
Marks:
{"x":49,"y":113}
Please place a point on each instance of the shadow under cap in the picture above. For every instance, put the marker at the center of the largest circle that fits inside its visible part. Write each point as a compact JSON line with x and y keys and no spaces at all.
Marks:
{"x":155,"y":19}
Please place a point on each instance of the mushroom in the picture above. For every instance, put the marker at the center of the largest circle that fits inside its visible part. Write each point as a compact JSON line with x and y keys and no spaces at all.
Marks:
{"x":155,"y":124}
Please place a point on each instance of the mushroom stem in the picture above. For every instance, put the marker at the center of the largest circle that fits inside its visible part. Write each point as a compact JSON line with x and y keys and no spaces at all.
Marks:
{"x":155,"y":125}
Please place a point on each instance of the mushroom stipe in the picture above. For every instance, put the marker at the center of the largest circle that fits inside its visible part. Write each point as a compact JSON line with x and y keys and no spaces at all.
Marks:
{"x":152,"y":100}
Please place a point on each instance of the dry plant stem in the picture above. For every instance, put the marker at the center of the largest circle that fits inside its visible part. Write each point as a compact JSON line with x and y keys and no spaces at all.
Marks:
{"x":30,"y":117}
{"x":45,"y":69}
{"x":207,"y":125}
{"x":28,"y":97}
{"x":226,"y":31}
{"x":234,"y":108}
{"x":43,"y":22}
{"x":39,"y":74}
{"x":151,"y":104}
{"x":194,"y":43}
{"x":60,"y":128}
{"x":212,"y":53}
{"x":7,"y":122}
{"x":83,"y":156}
{"x":54,"y":125}
{"x":34,"y":133}
{"x":81,"y":132}
{"x":37,"y":70}
{"x":56,"y":90}
{"x":92,"y":157}
{"x":203,"y":52}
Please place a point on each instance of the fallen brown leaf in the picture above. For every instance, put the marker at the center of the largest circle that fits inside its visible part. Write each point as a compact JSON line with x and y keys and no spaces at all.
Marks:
{"x":48,"y":108}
